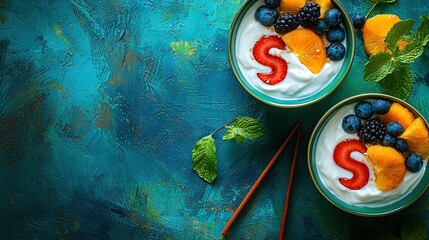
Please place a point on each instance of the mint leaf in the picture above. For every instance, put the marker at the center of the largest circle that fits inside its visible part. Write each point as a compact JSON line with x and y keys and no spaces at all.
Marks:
{"x":398,"y":30}
{"x":244,"y":128}
{"x":413,"y":229}
{"x":378,"y":67}
{"x":410,"y":53}
{"x":399,"y":83}
{"x":382,"y":1}
{"x":204,"y":158}
{"x":422,"y":32}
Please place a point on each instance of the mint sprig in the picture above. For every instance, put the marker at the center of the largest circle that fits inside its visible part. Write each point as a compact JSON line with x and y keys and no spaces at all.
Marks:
{"x":393,"y":67}
{"x":204,"y":160}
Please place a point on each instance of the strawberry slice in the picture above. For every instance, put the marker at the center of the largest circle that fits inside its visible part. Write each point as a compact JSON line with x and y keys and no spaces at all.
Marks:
{"x":277,"y":64}
{"x":343,"y":159}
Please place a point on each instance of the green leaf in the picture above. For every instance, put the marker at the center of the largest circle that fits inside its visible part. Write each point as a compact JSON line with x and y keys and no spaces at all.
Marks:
{"x":244,"y":128}
{"x":204,"y":158}
{"x":399,"y":83}
{"x":378,"y":67}
{"x":413,"y":229}
{"x":410,"y":53}
{"x":382,"y":1}
{"x":422,"y":32}
{"x":398,"y":30}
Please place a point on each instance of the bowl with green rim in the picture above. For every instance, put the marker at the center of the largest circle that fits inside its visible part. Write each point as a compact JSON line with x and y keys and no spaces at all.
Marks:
{"x":300,"y":87}
{"x":368,"y":200}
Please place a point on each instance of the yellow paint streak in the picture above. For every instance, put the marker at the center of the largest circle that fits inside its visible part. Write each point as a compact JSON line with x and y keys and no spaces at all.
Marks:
{"x":183,"y":48}
{"x":60,"y":34}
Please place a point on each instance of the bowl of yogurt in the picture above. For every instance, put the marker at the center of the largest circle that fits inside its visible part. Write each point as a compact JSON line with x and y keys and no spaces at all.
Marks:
{"x":367,"y":161}
{"x":303,"y":84}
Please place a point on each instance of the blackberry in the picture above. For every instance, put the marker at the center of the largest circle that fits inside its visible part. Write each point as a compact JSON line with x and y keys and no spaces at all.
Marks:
{"x":372,"y":131}
{"x":309,"y":15}
{"x":286,"y":23}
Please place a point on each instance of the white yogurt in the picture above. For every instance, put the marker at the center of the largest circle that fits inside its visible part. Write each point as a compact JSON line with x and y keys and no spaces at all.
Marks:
{"x":329,"y":172}
{"x":299,"y":83}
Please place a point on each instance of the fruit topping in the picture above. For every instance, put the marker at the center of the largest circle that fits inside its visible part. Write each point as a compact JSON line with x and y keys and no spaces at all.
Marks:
{"x":277,"y":64}
{"x":309,"y":48}
{"x":343,"y":159}
{"x":351,"y":123}
{"x":358,"y":20}
{"x":417,"y":137}
{"x":401,"y":145}
{"x":389,"y":140}
{"x":333,"y":17}
{"x":291,"y":6}
{"x":336,"y":51}
{"x":394,"y":128}
{"x":364,"y":110}
{"x":372,"y":131}
{"x":321,"y":27}
{"x":272,"y":3}
{"x":286,"y":23}
{"x":389,"y":166}
{"x":266,"y":16}
{"x":381,"y":106}
{"x":414,"y":162}
{"x":309,"y":14}
{"x":325,"y":5}
{"x":336,"y":34}
{"x":398,"y":113}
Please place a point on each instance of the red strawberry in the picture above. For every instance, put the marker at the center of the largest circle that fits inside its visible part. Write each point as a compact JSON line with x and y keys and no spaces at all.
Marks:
{"x":277,"y":64}
{"x":342,"y":158}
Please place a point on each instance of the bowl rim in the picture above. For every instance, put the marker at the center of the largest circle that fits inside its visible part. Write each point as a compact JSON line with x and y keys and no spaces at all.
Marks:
{"x":394,"y":207}
{"x":282,"y":103}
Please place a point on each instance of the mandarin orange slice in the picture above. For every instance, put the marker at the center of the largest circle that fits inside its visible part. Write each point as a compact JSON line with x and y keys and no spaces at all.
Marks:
{"x":417,"y":137}
{"x":398,"y":113}
{"x":375,"y":30}
{"x":291,"y":6}
{"x":325,"y":5}
{"x":309,"y":48}
{"x":389,"y":166}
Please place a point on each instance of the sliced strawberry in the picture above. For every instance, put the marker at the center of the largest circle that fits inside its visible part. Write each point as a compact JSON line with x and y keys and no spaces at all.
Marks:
{"x":343,"y":159}
{"x":277,"y":64}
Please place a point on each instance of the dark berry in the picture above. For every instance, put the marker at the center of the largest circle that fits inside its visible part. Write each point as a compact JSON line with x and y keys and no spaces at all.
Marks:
{"x":286,"y":23}
{"x":372,"y":131}
{"x":395,"y":129}
{"x":351,"y":123}
{"x":363,"y":110}
{"x":309,"y":15}
{"x":414,"y":162}
{"x":266,"y":16}
{"x":333,"y":17}
{"x":336,"y":34}
{"x":358,"y":20}
{"x":381,"y":106}
{"x":401,"y":145}
{"x":389,"y":140}
{"x":321,"y":27}
{"x":336,"y":51}
{"x":273,"y":3}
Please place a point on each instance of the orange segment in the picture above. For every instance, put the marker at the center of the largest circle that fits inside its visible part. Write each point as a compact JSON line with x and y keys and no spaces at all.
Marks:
{"x":309,"y":48}
{"x":398,"y":113}
{"x":291,"y":6}
{"x":325,"y":5}
{"x":417,"y":137}
{"x":375,"y":30}
{"x":389,"y":166}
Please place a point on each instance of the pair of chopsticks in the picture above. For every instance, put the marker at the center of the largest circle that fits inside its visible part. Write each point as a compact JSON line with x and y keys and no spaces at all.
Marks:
{"x":261,"y":177}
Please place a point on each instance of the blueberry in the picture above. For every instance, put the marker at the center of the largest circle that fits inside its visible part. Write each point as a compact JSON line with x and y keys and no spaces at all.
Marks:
{"x":351,"y":123}
{"x":336,"y":51}
{"x":273,"y":3}
{"x":266,"y":16}
{"x":333,"y":17}
{"x":401,"y":145}
{"x":364,"y":110}
{"x":414,"y":162}
{"x":321,"y":27}
{"x":389,"y":140}
{"x":395,"y":129}
{"x":381,"y":106}
{"x":358,"y":20}
{"x":336,"y":34}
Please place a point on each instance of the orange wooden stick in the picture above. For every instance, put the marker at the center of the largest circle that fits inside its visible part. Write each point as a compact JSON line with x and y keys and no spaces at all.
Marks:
{"x":258,"y":181}
{"x":289,"y":187}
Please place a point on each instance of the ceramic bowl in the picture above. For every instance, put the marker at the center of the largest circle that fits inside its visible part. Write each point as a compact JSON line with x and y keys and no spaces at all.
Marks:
{"x":325,"y":85}
{"x":327,"y":133}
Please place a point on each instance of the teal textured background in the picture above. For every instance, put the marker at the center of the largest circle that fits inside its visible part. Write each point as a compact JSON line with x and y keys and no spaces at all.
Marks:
{"x":101,"y":103}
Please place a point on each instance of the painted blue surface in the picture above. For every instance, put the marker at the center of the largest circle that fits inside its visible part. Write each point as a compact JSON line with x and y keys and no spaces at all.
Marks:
{"x":101,"y":103}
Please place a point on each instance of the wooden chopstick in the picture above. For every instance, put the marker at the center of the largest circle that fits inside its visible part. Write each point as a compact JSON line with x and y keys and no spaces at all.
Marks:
{"x":258,"y":181}
{"x":289,"y":187}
